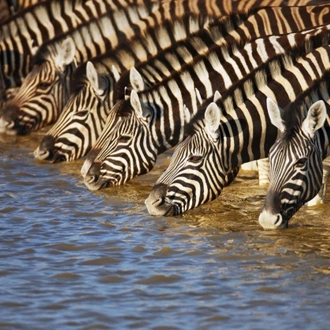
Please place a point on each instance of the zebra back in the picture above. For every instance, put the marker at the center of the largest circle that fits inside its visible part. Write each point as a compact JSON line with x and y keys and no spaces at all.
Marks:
{"x":245,"y":132}
{"x":155,"y":119}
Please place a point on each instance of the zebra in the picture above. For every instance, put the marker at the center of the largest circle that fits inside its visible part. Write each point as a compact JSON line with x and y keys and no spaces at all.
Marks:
{"x":233,"y":132}
{"x":95,"y":83}
{"x":42,"y":89}
{"x":21,"y":34}
{"x":17,"y":63}
{"x":296,"y":15}
{"x":153,"y":120}
{"x":25,"y":31}
{"x":63,"y":135}
{"x":278,"y":11}
{"x":296,"y":157}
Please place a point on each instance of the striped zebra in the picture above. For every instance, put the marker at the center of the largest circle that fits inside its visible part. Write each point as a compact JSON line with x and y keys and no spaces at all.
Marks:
{"x":102,"y":81}
{"x":65,"y":141}
{"x":16,"y":64}
{"x":153,"y":120}
{"x":30,"y":28}
{"x":42,"y":96}
{"x":233,"y":132}
{"x":296,"y":171}
{"x":296,"y":15}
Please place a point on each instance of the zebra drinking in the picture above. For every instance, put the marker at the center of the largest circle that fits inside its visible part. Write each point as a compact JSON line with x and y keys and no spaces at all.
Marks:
{"x":236,"y":129}
{"x":44,"y":92}
{"x":157,"y":116}
{"x":296,"y":157}
{"x":61,"y":143}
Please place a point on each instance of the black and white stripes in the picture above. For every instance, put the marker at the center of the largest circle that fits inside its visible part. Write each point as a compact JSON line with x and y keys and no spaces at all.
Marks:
{"x":198,"y":169}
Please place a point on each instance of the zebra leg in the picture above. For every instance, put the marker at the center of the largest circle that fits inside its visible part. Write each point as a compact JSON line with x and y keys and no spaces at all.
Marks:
{"x":263,"y":171}
{"x":262,"y":166}
{"x":319,"y":198}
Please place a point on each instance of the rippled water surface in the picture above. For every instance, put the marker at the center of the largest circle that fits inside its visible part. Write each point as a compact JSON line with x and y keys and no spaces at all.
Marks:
{"x":75,"y":259}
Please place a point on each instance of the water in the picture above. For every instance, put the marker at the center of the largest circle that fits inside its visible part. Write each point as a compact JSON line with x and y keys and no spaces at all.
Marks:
{"x":75,"y":259}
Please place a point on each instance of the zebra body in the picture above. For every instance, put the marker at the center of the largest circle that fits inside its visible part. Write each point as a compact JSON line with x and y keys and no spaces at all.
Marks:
{"x":198,"y":168}
{"x":296,"y":171}
{"x":25,"y":31}
{"x":155,"y":119}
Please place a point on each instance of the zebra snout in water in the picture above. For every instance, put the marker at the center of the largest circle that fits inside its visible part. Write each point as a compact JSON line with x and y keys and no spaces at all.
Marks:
{"x":92,"y":178}
{"x":7,"y":120}
{"x":156,"y":204}
{"x":270,"y":220}
{"x":45,"y":150}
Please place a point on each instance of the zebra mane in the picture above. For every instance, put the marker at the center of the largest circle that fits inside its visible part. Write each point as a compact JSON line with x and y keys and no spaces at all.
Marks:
{"x":294,"y":114}
{"x":47,"y":49}
{"x":241,"y":91}
{"x":78,"y":79}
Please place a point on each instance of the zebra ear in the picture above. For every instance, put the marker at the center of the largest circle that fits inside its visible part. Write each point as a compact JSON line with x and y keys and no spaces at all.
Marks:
{"x":275,"y":114}
{"x":212,"y":120}
{"x":92,"y":75}
{"x":136,"y":80}
{"x":66,"y":53}
{"x":216,"y":96}
{"x":315,"y":119}
{"x":199,"y":96}
{"x":115,"y":73}
{"x":93,"y":78}
{"x":137,"y":106}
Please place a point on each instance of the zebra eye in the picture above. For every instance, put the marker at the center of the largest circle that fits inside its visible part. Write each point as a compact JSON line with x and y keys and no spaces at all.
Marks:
{"x":301,"y":162}
{"x":195,"y":159}
{"x":44,"y":85}
{"x":80,"y":114}
{"x":125,"y":138}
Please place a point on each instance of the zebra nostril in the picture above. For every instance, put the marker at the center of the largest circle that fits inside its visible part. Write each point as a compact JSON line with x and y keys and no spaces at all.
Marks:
{"x":10,"y":113}
{"x":158,"y":201}
{"x":278,"y":218}
{"x":46,"y":148}
{"x":93,"y":173}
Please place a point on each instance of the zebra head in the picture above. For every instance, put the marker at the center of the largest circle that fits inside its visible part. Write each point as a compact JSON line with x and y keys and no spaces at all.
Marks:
{"x":128,"y":147}
{"x":43,"y":92}
{"x":295,"y":161}
{"x":83,"y":117}
{"x":197,"y":171}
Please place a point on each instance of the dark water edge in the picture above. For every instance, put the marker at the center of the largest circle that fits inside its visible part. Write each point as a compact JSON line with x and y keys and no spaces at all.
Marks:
{"x":73,"y":259}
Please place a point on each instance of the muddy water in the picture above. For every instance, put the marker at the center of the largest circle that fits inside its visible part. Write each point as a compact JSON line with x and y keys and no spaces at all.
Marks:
{"x":73,"y":259}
